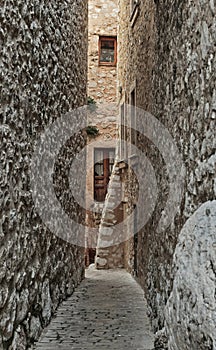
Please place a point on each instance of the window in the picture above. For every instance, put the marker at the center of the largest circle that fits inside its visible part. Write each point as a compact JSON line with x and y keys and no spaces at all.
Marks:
{"x":108,"y":51}
{"x":103,"y":164}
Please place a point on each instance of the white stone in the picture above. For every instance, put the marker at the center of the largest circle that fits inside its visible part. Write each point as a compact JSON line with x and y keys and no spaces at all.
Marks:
{"x":46,"y":302}
{"x":106,"y":231}
{"x":212,"y":6}
{"x":100,"y":261}
{"x":104,"y":244}
{"x":35,"y":328}
{"x":92,"y":84}
{"x":191,"y":308}
{"x":116,"y":178}
{"x":205,"y":44}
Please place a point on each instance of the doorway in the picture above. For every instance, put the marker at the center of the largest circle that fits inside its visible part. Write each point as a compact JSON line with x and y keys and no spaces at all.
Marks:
{"x":103,"y":164}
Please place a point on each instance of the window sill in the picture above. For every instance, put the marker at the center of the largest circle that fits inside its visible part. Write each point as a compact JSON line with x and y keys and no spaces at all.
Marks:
{"x":101,"y":64}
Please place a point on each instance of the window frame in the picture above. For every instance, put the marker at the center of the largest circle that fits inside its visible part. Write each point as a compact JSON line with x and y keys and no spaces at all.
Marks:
{"x":108,"y":38}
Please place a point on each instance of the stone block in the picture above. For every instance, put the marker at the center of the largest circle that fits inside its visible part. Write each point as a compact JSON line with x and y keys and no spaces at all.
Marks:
{"x":43,"y":78}
{"x":100,"y":262}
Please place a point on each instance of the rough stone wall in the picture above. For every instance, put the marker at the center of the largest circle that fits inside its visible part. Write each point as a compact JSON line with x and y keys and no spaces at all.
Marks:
{"x":44,"y":75}
{"x":191,"y":308}
{"x":136,"y":53}
{"x":184,"y":98}
{"x":103,"y":21}
{"x":136,"y":61}
{"x":170,"y":55}
{"x":130,"y":196}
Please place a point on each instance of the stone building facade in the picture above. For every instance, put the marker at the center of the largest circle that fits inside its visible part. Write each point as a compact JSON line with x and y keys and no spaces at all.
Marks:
{"x":103,"y":110}
{"x":166,"y":70}
{"x":44,"y":75}
{"x":184,"y":100}
{"x":102,"y":71}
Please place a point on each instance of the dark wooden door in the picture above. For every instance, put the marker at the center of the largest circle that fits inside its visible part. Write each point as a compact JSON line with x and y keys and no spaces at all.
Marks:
{"x":103,"y":164}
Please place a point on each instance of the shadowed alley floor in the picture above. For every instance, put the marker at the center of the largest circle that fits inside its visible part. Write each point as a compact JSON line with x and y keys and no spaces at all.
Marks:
{"x":107,"y":311}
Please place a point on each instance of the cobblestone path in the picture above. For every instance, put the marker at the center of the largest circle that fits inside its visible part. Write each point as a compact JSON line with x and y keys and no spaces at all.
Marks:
{"x":107,"y":311}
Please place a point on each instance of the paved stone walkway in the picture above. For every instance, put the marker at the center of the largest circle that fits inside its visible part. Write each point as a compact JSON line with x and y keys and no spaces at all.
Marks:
{"x":107,"y":311}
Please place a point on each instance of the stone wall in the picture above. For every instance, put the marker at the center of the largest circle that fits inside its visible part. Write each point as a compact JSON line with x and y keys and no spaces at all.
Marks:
{"x":102,"y":90}
{"x":103,"y":21}
{"x":185,"y":103}
{"x":170,"y":51}
{"x":136,"y":53}
{"x":44,"y":71}
{"x":191,"y":308}
{"x":102,"y":84}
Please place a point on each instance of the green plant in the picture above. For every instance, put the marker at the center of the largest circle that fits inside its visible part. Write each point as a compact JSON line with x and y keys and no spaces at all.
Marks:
{"x":92,"y":130}
{"x":91,"y":104}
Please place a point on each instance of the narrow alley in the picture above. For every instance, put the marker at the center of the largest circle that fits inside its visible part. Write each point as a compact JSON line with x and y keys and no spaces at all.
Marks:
{"x":107,"y":311}
{"x":108,"y":175}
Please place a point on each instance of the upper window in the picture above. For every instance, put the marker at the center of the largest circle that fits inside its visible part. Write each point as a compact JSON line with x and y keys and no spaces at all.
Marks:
{"x":107,"y":51}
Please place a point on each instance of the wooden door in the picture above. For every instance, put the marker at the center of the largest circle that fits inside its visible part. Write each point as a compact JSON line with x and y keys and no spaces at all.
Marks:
{"x":103,"y":164}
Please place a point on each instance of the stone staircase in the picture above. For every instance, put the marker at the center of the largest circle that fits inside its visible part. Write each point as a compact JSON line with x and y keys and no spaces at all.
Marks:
{"x":110,"y":252}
